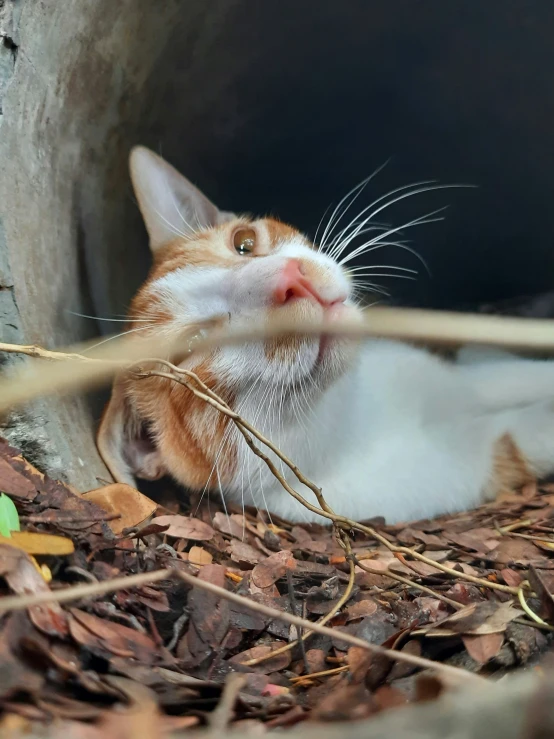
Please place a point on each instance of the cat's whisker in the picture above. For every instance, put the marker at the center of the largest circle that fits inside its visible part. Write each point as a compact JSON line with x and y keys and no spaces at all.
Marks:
{"x":115,"y":320}
{"x":353,"y":270}
{"x":176,"y":205}
{"x":378,"y":243}
{"x":418,"y":191}
{"x":117,"y":336}
{"x":362,"y":221}
{"x":388,"y":274}
{"x":176,"y":231}
{"x":359,"y":188}
{"x":336,"y":215}
{"x":374,"y":287}
{"x":222,"y":497}
{"x":337,"y":240}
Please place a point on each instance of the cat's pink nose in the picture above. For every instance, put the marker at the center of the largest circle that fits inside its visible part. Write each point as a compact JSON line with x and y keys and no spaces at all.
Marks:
{"x":293,"y":283}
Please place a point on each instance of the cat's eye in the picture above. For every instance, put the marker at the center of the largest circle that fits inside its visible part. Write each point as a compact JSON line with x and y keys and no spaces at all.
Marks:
{"x":244,"y":241}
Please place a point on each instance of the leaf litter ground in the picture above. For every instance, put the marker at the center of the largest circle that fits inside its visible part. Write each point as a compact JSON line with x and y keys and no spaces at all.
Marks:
{"x":161,"y":656}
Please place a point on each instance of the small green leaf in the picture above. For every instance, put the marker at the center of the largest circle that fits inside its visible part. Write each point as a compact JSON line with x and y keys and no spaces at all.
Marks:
{"x":9,"y":518}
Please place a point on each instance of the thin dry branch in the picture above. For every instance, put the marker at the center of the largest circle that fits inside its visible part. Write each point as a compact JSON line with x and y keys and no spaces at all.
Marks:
{"x":432,"y":327}
{"x":220,"y":716}
{"x":20,"y":603}
{"x":333,"y":612}
{"x":347,"y":524}
{"x":409,"y":583}
{"x":326,"y":631}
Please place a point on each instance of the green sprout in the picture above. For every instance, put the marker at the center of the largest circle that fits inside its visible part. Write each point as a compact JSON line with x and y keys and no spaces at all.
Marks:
{"x":9,"y":517}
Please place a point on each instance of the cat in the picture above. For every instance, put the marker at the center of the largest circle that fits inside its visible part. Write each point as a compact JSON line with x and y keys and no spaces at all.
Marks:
{"x":384,"y":428}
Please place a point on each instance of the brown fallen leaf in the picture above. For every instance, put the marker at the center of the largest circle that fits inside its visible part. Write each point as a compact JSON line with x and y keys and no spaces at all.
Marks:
{"x":132,"y":506}
{"x":272,"y":569}
{"x":199,"y":556}
{"x":359,"y":661}
{"x":17,"y":674}
{"x":344,"y":703}
{"x":511,"y":577}
{"x":234,"y":525}
{"x":498,"y":620}
{"x":478,"y":540}
{"x":315,"y":659}
{"x":487,"y":617}
{"x":388,"y":697}
{"x":141,"y":718}
{"x":21,"y":574}
{"x":34,"y":543}
{"x":361,"y":609}
{"x":244,"y":553}
{"x":183,"y":527}
{"x":484,"y":647}
{"x":209,"y":616}
{"x":101,"y":637}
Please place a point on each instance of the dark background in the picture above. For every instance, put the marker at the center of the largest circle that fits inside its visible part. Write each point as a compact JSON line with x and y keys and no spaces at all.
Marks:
{"x":281,"y":107}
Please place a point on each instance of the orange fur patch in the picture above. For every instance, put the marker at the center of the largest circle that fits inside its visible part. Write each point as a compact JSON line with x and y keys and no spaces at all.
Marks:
{"x":278,"y":231}
{"x":188,"y":431}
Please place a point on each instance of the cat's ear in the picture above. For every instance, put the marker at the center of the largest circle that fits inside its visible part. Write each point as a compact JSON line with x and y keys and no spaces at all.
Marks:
{"x":127,"y":451}
{"x":171,"y":206}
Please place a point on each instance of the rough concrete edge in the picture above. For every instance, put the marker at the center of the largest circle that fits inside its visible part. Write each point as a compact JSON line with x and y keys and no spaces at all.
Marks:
{"x":27,"y":429}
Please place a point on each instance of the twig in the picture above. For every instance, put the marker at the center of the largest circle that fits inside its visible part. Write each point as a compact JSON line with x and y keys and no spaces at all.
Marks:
{"x":324,"y":673}
{"x":31,"y":350}
{"x":410,"y":584}
{"x":247,"y":431}
{"x":21,"y":602}
{"x":325,"y":630}
{"x":528,"y":610}
{"x":431,"y":327}
{"x":221,"y":715}
{"x":333,"y":612}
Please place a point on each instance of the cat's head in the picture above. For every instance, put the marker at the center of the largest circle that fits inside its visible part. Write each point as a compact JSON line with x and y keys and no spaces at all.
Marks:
{"x":210,"y":264}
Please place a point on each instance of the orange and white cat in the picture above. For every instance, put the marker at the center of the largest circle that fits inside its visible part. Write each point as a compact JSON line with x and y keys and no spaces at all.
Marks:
{"x":384,"y":428}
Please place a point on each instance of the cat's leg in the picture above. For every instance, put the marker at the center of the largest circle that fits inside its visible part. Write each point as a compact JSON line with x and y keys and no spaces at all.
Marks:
{"x":503,"y":383}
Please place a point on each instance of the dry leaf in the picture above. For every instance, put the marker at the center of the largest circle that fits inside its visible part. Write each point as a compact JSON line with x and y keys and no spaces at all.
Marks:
{"x":101,"y":636}
{"x":183,"y":527}
{"x":272,"y":569}
{"x":199,"y":556}
{"x":33,"y":543}
{"x":234,"y":525}
{"x":132,"y":506}
{"x":484,"y":647}
{"x":511,"y":577}
{"x":244,"y":553}
{"x":23,"y":577}
{"x":361,"y":609}
{"x":488,"y":617}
